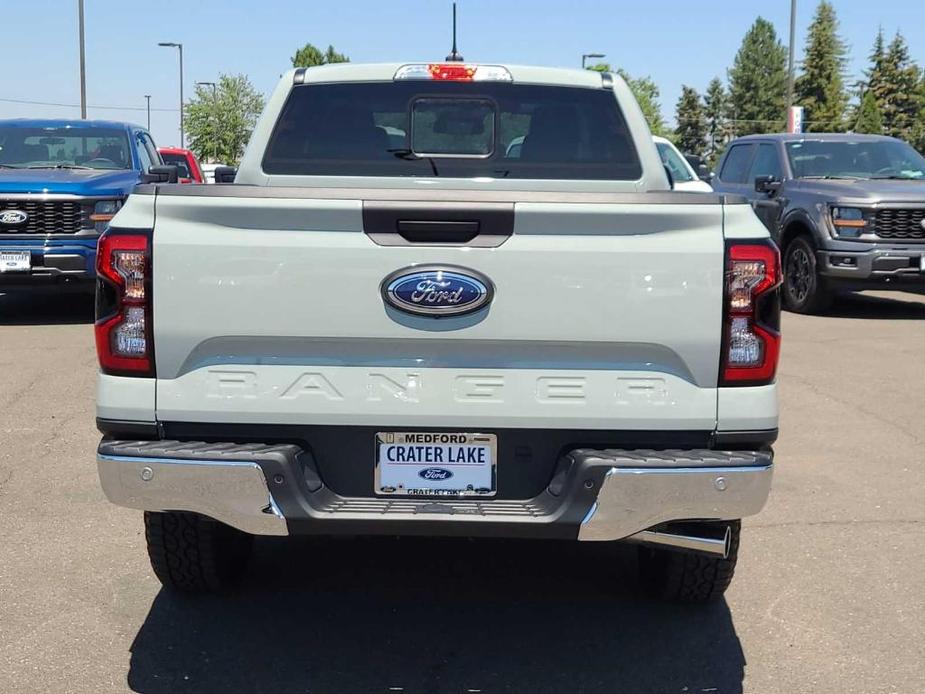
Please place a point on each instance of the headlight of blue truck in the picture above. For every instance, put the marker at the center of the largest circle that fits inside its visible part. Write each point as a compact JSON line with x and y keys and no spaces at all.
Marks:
{"x":103,"y":212}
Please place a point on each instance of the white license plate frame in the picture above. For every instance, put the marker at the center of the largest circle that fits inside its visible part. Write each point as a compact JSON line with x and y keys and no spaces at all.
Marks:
{"x":395,"y":478}
{"x":15,"y":260}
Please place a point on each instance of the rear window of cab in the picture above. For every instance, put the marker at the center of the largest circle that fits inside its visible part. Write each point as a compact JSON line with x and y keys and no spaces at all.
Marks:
{"x":452,"y":129}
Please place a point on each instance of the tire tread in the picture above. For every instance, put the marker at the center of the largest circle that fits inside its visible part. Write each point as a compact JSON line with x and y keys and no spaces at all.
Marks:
{"x":687,"y":577}
{"x":194,"y":554}
{"x":820,"y":299}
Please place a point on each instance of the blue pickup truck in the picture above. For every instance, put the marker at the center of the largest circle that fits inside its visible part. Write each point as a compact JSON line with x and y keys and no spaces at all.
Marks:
{"x":61,"y":181}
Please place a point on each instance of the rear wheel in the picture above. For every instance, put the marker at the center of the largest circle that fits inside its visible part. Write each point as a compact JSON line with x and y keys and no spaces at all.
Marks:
{"x":686,"y":577}
{"x":805,"y":290}
{"x":195,"y":554}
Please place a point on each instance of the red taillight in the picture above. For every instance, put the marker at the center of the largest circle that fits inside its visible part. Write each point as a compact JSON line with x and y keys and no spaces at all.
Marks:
{"x":451,"y":71}
{"x":751,"y":331}
{"x":123,"y":304}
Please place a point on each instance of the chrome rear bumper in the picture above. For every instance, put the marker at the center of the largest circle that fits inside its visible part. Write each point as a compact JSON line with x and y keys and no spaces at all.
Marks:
{"x":233,"y":492}
{"x":636,"y":498}
{"x":274,"y":490}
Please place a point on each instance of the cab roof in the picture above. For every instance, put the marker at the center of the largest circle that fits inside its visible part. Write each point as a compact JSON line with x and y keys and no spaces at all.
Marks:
{"x":67,"y":123}
{"x":800,"y":137}
{"x":385,"y":72}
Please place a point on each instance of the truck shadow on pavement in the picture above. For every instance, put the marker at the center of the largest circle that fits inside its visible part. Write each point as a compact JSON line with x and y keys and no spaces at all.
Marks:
{"x":427,"y":616}
{"x":45,"y":308}
{"x":898,"y":306}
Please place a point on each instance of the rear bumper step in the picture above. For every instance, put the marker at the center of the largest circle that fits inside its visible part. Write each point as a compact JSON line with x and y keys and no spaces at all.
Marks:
{"x":274,"y":489}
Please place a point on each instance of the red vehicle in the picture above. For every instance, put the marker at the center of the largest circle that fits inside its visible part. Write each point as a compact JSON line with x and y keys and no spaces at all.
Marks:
{"x":185,"y":161}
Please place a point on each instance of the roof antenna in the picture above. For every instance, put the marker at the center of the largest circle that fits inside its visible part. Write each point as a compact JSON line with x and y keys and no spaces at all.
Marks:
{"x":454,"y":55}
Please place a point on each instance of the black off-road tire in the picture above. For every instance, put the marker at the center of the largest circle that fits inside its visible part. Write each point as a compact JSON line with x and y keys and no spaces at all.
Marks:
{"x":686,"y":577}
{"x":804,"y":290}
{"x":194,"y":554}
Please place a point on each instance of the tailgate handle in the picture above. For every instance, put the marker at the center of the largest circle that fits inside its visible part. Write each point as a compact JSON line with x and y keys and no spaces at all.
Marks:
{"x":473,"y":223}
{"x":437,"y":231}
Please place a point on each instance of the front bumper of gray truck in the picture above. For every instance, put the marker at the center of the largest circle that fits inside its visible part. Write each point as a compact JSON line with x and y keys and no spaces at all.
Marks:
{"x":847,"y":263}
{"x":276,"y":489}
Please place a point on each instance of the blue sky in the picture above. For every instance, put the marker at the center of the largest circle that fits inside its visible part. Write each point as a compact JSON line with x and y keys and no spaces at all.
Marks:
{"x":674,"y":41}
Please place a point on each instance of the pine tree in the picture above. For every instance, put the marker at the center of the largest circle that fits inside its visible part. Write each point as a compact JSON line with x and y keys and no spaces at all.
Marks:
{"x":875,"y":75}
{"x":691,"y":133}
{"x":715,"y":106}
{"x":820,"y":89}
{"x":894,"y":81}
{"x":758,"y":81}
{"x":868,"y":118}
{"x":310,"y":56}
{"x":919,"y":135}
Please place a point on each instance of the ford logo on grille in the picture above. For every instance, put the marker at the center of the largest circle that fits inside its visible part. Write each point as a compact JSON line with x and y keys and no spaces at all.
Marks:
{"x":13,"y":217}
{"x":437,"y":290}
{"x":435,"y":473}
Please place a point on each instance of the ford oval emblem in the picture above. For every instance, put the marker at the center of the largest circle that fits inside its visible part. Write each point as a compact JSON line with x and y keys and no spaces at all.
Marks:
{"x":437,"y":290}
{"x":13,"y":217}
{"x":435,"y":473}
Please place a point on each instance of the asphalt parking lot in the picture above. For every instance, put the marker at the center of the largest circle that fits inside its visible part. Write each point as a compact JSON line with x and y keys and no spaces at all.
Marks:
{"x":829,"y":596}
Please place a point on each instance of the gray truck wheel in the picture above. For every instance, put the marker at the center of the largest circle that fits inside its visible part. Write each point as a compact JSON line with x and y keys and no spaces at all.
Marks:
{"x":685,"y":577}
{"x":804,"y":290}
{"x":194,"y":554}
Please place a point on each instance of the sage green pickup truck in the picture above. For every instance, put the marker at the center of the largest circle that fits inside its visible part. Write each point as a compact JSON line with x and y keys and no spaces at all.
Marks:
{"x":393,"y":323}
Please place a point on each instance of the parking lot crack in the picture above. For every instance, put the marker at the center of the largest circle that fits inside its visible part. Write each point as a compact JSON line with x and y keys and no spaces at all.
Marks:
{"x":816,"y":390}
{"x":836,"y":523}
{"x":18,"y":394}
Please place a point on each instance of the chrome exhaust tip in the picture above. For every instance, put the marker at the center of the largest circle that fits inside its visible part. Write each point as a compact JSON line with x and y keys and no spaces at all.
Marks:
{"x":714,"y":546}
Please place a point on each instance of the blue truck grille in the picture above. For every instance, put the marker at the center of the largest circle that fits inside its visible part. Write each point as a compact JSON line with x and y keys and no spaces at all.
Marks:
{"x":48,"y":216}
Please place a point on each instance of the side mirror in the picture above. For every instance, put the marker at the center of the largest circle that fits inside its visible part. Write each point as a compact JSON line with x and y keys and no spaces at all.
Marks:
{"x":225,"y":174}
{"x":670,"y":177}
{"x":161,"y":173}
{"x":704,"y":174}
{"x":766,"y":184}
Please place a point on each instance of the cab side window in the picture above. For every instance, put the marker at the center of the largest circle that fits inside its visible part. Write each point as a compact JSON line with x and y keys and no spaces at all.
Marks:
{"x":153,"y":154}
{"x":735,"y":166}
{"x":767,"y":163}
{"x":144,"y":156}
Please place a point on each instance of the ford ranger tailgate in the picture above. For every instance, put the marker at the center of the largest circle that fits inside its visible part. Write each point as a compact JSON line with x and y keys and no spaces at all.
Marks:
{"x":606,"y":312}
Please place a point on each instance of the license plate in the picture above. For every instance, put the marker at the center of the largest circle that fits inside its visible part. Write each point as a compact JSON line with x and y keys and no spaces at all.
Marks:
{"x":15,"y":261}
{"x":410,"y":463}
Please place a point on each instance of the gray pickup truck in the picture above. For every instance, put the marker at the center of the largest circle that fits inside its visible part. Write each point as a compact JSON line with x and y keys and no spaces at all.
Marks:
{"x":848,"y":211}
{"x":388,"y":326}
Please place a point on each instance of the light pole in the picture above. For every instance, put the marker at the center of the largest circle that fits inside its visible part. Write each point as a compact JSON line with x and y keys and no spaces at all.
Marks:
{"x":83,"y":69}
{"x":585,"y":56}
{"x":148,"y":99}
{"x":793,"y":26}
{"x":215,"y":113}
{"x":179,"y":46}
